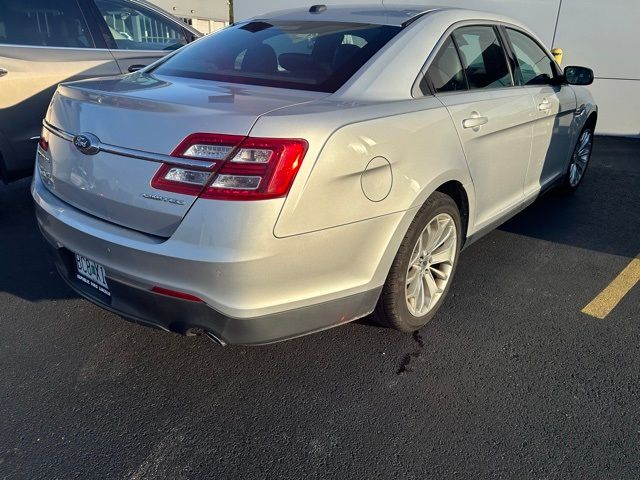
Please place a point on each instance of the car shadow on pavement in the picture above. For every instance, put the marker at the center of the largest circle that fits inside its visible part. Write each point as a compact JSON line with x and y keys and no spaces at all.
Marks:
{"x":602,"y":215}
{"x":27,"y":271}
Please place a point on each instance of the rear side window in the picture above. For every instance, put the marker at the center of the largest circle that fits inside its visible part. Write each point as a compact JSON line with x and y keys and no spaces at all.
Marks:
{"x":319,"y":56}
{"x":483,"y":56}
{"x":43,"y":23}
{"x":136,"y":28}
{"x":445,"y":72}
{"x":536,"y":67}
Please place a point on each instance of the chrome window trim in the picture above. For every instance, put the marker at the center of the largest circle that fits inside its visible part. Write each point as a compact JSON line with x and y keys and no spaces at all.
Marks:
{"x":133,"y":153}
{"x":477,"y":90}
{"x":163,"y":52}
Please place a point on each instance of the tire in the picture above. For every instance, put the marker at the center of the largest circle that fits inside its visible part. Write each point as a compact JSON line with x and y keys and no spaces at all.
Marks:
{"x":397,"y":307}
{"x":579,"y":162}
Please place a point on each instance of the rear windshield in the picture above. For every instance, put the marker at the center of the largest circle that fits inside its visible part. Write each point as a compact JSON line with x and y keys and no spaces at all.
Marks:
{"x":319,"y":56}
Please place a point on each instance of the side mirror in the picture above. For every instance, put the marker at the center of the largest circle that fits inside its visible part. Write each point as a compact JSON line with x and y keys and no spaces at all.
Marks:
{"x":578,"y":75}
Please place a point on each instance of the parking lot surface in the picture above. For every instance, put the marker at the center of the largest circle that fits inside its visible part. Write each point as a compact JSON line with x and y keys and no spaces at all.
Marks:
{"x":511,"y":379}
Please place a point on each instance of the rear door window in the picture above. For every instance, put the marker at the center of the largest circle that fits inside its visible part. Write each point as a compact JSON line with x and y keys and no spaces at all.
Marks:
{"x":43,"y":23}
{"x":446,"y":72}
{"x":483,"y":57}
{"x":317,"y":55}
{"x":136,"y":28}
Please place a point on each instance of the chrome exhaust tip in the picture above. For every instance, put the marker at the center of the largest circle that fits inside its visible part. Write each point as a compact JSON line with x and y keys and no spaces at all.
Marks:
{"x":216,"y":339}
{"x":197,"y":332}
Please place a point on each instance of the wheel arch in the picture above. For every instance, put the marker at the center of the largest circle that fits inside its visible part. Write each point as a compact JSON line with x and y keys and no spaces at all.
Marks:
{"x":458,"y":194}
{"x":592,"y":120}
{"x":450,"y":186}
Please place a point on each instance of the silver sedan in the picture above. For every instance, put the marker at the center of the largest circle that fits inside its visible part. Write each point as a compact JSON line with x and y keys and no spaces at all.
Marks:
{"x":300,"y":170}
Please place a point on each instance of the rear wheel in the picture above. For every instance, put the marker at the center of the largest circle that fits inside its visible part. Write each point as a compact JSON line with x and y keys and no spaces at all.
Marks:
{"x":579,"y":161}
{"x":424,"y":266}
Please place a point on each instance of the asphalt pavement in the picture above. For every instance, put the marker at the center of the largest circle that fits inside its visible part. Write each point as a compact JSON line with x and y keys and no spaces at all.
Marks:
{"x":510,"y":380}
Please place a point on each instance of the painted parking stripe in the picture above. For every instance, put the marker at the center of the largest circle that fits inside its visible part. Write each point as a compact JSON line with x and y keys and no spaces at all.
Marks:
{"x":606,"y":300}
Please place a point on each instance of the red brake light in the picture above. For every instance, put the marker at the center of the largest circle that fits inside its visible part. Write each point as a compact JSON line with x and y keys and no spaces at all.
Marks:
{"x":44,"y":140}
{"x":239,"y":168}
{"x":260,"y":168}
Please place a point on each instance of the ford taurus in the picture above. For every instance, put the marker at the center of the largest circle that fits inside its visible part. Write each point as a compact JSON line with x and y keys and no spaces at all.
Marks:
{"x":303,"y":169}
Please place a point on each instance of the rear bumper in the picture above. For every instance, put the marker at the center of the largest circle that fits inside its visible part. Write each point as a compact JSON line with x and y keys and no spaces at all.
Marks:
{"x":188,"y":317}
{"x":284,"y":289}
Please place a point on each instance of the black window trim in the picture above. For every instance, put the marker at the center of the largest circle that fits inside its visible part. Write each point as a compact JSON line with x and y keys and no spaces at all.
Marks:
{"x":99,"y":39}
{"x":464,"y":69}
{"x":423,"y":78}
{"x":558,"y":74}
{"x":511,"y":57}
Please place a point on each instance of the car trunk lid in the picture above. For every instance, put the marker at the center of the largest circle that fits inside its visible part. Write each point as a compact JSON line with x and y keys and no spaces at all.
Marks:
{"x":138,"y":120}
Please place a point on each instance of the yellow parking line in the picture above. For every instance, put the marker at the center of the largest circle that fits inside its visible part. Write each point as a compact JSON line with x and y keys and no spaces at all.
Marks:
{"x":606,"y":300}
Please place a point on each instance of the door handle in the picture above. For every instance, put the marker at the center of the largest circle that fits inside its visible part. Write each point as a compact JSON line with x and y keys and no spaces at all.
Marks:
{"x":3,"y":72}
{"x":544,"y":105}
{"x":475,"y":121}
{"x":135,"y":68}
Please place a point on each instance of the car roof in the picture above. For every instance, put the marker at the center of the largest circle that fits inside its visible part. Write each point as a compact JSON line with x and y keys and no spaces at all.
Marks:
{"x":376,"y":14}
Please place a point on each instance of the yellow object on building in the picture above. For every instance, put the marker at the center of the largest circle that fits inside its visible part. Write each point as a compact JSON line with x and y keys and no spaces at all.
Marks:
{"x":557,"y":53}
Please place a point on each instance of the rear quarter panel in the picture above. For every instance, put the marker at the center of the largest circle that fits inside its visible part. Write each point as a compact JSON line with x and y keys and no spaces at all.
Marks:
{"x":365,"y":160}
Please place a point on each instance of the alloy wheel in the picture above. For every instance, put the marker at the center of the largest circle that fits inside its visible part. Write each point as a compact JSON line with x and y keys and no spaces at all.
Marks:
{"x":431,"y":264}
{"x":580,"y":159}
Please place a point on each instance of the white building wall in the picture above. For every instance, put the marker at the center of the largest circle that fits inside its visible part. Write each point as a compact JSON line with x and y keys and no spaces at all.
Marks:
{"x":604,"y":35}
{"x":206,"y":9}
{"x":600,"y":34}
{"x":205,"y":16}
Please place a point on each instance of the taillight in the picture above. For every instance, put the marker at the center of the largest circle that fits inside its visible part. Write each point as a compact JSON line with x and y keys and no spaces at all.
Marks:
{"x":260,"y":168}
{"x":239,"y":169}
{"x":207,"y":150}
{"x":44,"y":140}
{"x":207,"y":146}
{"x":43,"y":159}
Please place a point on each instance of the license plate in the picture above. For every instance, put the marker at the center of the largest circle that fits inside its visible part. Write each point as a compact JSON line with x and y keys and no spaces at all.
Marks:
{"x":92,"y":273}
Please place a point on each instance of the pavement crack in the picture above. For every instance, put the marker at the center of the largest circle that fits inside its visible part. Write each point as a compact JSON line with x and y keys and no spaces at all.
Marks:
{"x":409,"y":357}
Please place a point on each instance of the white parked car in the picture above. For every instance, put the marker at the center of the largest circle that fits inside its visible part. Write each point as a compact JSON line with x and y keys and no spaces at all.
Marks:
{"x":299,"y":170}
{"x":45,"y":42}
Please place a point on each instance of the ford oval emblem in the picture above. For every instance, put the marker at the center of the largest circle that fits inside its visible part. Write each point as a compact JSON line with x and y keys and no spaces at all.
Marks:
{"x":87,"y":143}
